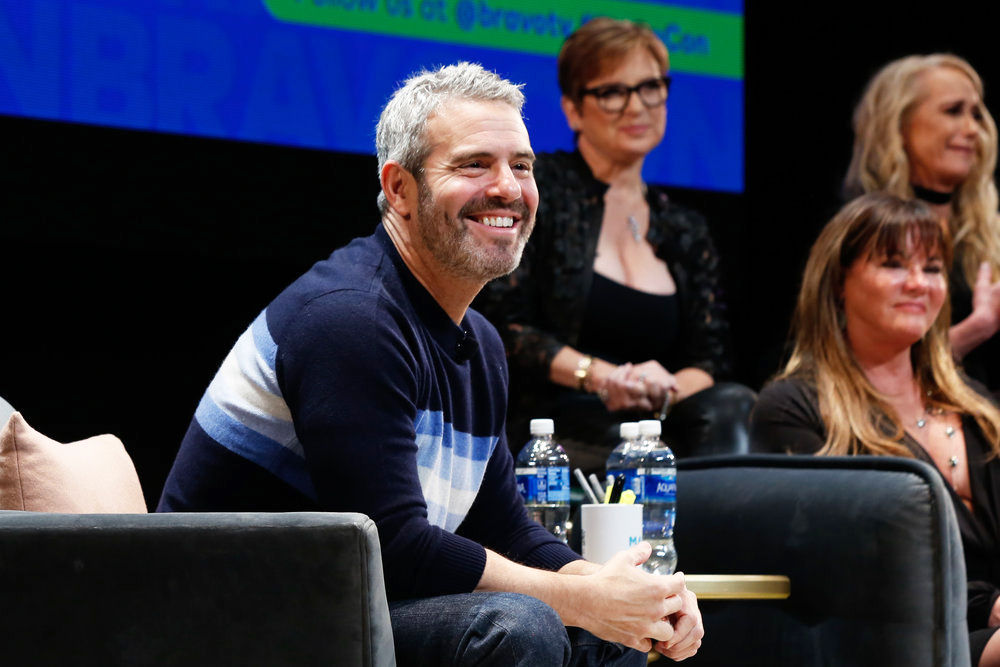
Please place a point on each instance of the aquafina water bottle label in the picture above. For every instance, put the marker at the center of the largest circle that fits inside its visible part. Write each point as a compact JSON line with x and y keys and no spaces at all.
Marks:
{"x":557,"y":482}
{"x":539,"y":486}
{"x":659,"y":487}
{"x":528,"y":483}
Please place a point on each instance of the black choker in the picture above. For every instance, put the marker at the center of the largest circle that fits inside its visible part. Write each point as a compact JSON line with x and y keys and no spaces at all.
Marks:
{"x":932,"y":196}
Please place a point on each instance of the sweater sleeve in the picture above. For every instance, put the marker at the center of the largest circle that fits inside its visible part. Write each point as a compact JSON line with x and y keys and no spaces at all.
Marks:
{"x":351,"y":381}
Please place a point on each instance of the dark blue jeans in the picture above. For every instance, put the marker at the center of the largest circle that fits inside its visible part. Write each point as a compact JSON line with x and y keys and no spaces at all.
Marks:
{"x":501,"y":629}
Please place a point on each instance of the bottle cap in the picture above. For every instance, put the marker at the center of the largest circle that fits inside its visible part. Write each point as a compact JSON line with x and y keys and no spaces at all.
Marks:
{"x":542,"y":427}
{"x":628,"y":430}
{"x":650,"y":427}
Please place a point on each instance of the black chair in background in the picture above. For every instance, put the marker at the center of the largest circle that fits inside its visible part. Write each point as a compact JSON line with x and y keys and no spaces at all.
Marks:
{"x":713,"y":422}
{"x":870,"y":544}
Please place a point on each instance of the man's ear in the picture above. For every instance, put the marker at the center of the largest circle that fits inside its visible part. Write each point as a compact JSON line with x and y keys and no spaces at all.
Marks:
{"x":400,"y":188}
{"x":571,"y":112}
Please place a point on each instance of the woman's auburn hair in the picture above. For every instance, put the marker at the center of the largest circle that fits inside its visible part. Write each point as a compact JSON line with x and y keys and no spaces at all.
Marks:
{"x":859,"y":418}
{"x":879,"y":160}
{"x":600,"y":44}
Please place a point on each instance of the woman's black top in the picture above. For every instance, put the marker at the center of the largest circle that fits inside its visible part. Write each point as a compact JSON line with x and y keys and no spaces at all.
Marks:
{"x":624,"y":324}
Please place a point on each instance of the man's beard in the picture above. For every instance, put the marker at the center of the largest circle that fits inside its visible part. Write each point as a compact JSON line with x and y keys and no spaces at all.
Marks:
{"x":455,"y":247}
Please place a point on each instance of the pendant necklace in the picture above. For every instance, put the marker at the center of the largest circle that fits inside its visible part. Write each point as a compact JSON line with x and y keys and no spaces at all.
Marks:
{"x":948,"y":431}
{"x":633,"y":226}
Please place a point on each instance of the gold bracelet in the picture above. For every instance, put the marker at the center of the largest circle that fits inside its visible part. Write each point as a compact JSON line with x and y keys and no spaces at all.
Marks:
{"x":582,"y":372}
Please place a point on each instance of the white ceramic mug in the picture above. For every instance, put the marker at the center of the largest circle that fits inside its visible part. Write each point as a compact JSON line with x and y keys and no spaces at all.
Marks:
{"x":608,"y":529}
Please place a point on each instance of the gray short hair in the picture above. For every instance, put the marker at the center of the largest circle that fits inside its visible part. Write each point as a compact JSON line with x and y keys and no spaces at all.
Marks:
{"x":400,"y":133}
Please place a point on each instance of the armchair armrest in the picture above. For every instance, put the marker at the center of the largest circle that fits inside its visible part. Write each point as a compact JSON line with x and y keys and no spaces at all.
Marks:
{"x":193,"y":589}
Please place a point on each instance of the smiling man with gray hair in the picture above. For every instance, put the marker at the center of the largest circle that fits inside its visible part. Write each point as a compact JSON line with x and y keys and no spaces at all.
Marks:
{"x":369,"y":385}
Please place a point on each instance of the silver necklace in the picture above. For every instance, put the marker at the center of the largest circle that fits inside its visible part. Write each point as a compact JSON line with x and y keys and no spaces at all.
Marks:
{"x":948,"y":431}
{"x":633,"y":226}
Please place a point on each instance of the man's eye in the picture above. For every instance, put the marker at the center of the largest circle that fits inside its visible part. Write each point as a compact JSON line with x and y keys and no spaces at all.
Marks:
{"x":476,"y":164}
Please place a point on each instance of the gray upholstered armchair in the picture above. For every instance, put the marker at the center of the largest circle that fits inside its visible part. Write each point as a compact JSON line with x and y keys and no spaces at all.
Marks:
{"x":123,"y":587}
{"x":192,"y":589}
{"x":870,"y":544}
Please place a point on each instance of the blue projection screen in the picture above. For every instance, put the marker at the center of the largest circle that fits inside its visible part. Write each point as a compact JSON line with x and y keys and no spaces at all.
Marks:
{"x":315,"y":73}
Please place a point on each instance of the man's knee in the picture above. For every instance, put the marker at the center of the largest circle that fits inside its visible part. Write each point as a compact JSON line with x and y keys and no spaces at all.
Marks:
{"x":523,"y":629}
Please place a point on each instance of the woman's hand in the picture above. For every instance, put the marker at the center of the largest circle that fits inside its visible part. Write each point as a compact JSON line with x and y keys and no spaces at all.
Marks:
{"x":984,"y":321}
{"x":619,"y":390}
{"x":659,"y":383}
{"x":642,"y":387}
{"x":986,"y":298}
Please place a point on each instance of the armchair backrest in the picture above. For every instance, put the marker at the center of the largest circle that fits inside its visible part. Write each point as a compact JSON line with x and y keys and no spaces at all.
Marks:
{"x":870,"y":544}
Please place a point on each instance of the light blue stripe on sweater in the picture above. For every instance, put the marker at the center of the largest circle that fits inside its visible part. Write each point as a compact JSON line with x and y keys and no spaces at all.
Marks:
{"x":243,"y":409}
{"x":282,"y":462}
{"x":262,"y":340}
{"x":451,"y":465}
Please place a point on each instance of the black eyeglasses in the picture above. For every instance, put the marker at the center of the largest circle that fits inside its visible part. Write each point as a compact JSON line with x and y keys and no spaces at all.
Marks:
{"x":614,"y":97}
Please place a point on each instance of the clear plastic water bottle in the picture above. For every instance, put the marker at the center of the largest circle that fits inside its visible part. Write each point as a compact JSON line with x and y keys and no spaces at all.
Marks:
{"x":542,"y":470}
{"x":632,"y":462}
{"x":629,"y":434}
{"x":655,"y":485}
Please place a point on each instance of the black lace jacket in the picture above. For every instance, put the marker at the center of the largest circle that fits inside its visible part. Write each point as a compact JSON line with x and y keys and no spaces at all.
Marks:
{"x":539,"y":308}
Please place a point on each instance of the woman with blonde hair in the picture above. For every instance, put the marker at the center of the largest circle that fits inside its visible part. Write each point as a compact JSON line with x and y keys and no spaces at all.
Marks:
{"x":871,"y":372}
{"x":921,"y":131}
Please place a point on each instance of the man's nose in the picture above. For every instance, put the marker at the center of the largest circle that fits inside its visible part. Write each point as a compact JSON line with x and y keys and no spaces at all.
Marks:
{"x":506,"y":185}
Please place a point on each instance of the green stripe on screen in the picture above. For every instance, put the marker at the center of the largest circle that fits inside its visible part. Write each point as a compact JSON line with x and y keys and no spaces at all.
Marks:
{"x":700,"y":42}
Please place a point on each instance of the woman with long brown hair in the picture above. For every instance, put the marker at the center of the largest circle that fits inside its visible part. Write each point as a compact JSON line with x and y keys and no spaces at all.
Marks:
{"x":871,"y":372}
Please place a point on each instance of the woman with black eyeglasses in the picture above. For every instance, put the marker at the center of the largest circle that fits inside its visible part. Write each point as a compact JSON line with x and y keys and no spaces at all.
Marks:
{"x":615,"y":312}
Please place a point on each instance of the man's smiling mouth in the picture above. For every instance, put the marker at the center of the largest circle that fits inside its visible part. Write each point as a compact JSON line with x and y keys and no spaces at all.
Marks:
{"x":497,"y":221}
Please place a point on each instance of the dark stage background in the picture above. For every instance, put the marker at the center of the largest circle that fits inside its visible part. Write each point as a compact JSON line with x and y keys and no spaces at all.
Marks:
{"x":131,"y":261}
